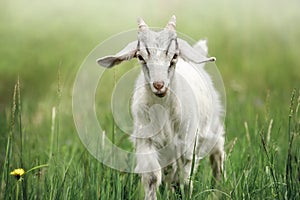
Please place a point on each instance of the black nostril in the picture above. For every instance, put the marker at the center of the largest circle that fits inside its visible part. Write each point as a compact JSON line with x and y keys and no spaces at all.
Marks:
{"x":158,"y":85}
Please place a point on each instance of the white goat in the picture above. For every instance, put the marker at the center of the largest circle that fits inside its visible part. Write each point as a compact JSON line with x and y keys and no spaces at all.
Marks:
{"x":175,"y":108}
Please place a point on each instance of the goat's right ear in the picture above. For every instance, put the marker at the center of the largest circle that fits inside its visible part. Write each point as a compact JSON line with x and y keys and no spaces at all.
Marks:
{"x":125,"y":54}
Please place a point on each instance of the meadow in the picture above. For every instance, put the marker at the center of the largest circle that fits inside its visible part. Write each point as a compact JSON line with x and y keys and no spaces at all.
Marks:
{"x":43,"y":43}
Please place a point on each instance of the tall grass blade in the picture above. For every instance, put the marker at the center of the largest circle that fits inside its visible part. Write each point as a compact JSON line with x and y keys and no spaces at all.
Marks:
{"x":52,"y":133}
{"x":192,"y":168}
{"x":5,"y":183}
{"x":289,"y":168}
{"x":271,"y":165}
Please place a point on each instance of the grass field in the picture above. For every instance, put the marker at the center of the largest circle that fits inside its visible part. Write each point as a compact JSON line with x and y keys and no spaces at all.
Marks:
{"x":43,"y":43}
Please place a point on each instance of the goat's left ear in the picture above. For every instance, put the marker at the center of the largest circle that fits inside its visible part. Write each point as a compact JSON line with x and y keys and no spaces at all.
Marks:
{"x":189,"y":53}
{"x":125,"y":54}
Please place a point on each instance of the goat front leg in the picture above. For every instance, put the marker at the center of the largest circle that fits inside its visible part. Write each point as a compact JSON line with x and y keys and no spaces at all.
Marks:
{"x":149,"y":168}
{"x":151,"y":182}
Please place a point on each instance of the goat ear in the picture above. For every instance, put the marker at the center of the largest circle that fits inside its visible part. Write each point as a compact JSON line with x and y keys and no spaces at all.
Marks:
{"x":191,"y":54}
{"x":125,"y":54}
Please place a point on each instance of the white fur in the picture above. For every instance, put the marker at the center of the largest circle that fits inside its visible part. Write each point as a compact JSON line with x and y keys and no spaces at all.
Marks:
{"x":176,"y":110}
{"x":196,"y":106}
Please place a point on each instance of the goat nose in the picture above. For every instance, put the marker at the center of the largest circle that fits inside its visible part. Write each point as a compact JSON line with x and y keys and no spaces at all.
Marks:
{"x":158,"y":84}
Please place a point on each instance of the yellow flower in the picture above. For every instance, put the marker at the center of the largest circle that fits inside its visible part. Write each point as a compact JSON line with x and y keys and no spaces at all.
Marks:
{"x":18,"y":173}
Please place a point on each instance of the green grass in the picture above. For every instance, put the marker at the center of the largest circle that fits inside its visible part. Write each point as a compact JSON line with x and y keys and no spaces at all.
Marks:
{"x":256,"y":45}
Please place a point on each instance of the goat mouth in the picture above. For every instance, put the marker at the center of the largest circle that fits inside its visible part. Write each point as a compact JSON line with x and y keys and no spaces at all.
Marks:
{"x":161,"y":94}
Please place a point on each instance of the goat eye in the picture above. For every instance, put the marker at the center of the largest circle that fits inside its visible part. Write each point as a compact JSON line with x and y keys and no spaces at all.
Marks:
{"x":141,"y":59}
{"x":174,"y":60}
{"x":175,"y":57}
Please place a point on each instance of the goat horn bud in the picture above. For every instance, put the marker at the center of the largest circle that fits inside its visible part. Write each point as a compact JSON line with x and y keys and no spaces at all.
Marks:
{"x":141,"y":24}
{"x":172,"y":23}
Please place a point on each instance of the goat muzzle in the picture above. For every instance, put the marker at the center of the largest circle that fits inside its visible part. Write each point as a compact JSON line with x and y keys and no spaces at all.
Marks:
{"x":158,"y":85}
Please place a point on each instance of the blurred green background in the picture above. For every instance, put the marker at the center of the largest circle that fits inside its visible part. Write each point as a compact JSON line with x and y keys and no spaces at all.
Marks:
{"x":256,"y":44}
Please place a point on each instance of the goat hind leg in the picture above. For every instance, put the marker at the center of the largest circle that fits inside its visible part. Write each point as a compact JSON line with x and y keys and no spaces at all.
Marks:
{"x":217,"y":162}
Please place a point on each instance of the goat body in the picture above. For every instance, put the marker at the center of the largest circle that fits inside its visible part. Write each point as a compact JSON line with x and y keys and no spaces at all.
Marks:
{"x":176,"y":109}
